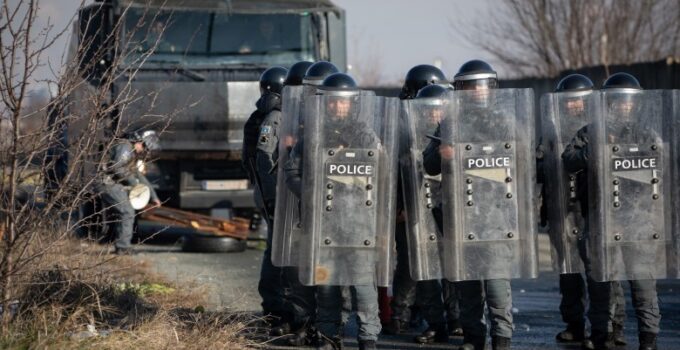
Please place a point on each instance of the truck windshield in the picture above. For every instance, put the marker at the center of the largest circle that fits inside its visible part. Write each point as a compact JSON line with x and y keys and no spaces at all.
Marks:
{"x":194,"y":37}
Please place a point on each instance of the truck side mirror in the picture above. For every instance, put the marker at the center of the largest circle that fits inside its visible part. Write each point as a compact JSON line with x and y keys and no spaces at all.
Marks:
{"x":337,"y":42}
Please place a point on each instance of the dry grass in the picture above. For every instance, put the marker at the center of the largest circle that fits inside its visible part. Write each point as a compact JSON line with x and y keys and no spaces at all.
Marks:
{"x":79,"y":285}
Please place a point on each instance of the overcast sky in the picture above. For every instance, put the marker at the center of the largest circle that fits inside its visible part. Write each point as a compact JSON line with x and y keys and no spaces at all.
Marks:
{"x":396,"y":33}
{"x":411,"y":32}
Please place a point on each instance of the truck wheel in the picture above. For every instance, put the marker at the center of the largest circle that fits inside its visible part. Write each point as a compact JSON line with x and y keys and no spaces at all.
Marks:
{"x":201,"y":243}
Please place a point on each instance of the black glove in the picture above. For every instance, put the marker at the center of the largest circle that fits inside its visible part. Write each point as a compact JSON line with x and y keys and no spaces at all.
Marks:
{"x":271,"y":205}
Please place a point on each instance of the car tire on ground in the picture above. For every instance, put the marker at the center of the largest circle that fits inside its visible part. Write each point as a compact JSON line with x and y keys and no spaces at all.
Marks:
{"x":201,"y":243}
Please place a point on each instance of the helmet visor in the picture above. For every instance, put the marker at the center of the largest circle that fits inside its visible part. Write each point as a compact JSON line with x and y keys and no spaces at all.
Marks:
{"x":477,"y":84}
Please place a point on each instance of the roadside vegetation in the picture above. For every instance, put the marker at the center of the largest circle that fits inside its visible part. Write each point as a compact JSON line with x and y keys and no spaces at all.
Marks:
{"x":82,"y":297}
{"x":58,"y":291}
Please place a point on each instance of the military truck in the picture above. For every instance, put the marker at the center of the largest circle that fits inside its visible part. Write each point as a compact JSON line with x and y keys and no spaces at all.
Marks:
{"x":207,"y":56}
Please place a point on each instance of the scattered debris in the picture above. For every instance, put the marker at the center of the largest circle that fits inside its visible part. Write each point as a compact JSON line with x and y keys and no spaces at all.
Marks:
{"x":238,"y":228}
{"x":144,"y":289}
{"x":90,"y":332}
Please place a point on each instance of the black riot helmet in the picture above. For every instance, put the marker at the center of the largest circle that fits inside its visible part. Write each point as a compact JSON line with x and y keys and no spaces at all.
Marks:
{"x":575,"y":84}
{"x":272,"y":79}
{"x":622,"y":82}
{"x":296,"y":73}
{"x":318,"y":71}
{"x":341,"y":89}
{"x":147,"y":137}
{"x":433,"y":98}
{"x":575,"y":87}
{"x":475,"y":75}
{"x":622,"y":89}
{"x":433,"y":93}
{"x":420,"y":76}
{"x":338,"y":84}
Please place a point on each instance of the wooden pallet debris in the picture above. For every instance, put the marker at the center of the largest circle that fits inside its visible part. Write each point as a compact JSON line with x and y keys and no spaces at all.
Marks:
{"x":238,"y":228}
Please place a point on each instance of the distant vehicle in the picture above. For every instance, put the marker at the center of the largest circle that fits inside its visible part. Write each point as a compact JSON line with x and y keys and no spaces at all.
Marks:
{"x":207,"y":58}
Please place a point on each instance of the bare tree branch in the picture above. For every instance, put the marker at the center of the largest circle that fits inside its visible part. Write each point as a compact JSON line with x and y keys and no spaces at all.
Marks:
{"x":37,"y":211}
{"x":545,"y":37}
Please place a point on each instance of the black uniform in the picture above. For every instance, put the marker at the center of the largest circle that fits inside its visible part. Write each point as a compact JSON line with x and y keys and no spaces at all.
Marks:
{"x":298,"y":300}
{"x":270,"y":287}
{"x":425,"y":295}
{"x":572,"y":285}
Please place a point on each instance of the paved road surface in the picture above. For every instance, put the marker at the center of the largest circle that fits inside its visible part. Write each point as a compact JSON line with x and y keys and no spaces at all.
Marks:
{"x":231,"y":280}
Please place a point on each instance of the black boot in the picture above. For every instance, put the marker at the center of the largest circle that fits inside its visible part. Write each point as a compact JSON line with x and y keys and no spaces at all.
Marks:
{"x":302,"y":337}
{"x":455,"y":330}
{"x":395,"y":327}
{"x":599,"y":341}
{"x":571,"y":334}
{"x":280,"y":329}
{"x":500,"y":343}
{"x":433,"y":334}
{"x":328,"y":343}
{"x":367,"y":345}
{"x":618,"y":336}
{"x":587,"y":344}
{"x":279,"y":323}
{"x":647,"y":341}
{"x":473,"y":343}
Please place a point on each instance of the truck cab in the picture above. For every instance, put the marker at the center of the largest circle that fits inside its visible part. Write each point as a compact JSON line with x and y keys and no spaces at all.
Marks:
{"x":190,"y":69}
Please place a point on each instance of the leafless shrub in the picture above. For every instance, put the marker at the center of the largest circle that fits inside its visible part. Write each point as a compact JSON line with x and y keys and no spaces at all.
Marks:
{"x":52,"y":152}
{"x":45,"y":177}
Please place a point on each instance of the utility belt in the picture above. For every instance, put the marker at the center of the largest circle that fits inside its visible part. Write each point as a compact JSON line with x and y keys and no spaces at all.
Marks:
{"x":138,"y":194}
{"x":109,"y":180}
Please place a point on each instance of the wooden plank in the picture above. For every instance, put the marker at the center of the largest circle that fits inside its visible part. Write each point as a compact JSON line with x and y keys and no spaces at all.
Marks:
{"x":237,"y":228}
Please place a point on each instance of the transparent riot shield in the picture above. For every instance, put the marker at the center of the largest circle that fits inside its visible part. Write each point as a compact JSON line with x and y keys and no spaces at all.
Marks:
{"x":672,"y":97}
{"x":629,"y":186}
{"x":388,"y":111}
{"x":563,"y":115}
{"x":488,"y":176}
{"x":286,"y":231}
{"x":348,"y":189}
{"x":421,"y":192}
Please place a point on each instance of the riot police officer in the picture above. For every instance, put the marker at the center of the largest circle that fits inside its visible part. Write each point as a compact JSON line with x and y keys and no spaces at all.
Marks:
{"x":300,"y":300}
{"x":270,"y":285}
{"x":621,"y":92}
{"x":120,"y":173}
{"x":427,"y":295}
{"x":474,"y":295}
{"x":569,"y":109}
{"x":449,"y":293}
{"x":341,"y":131}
